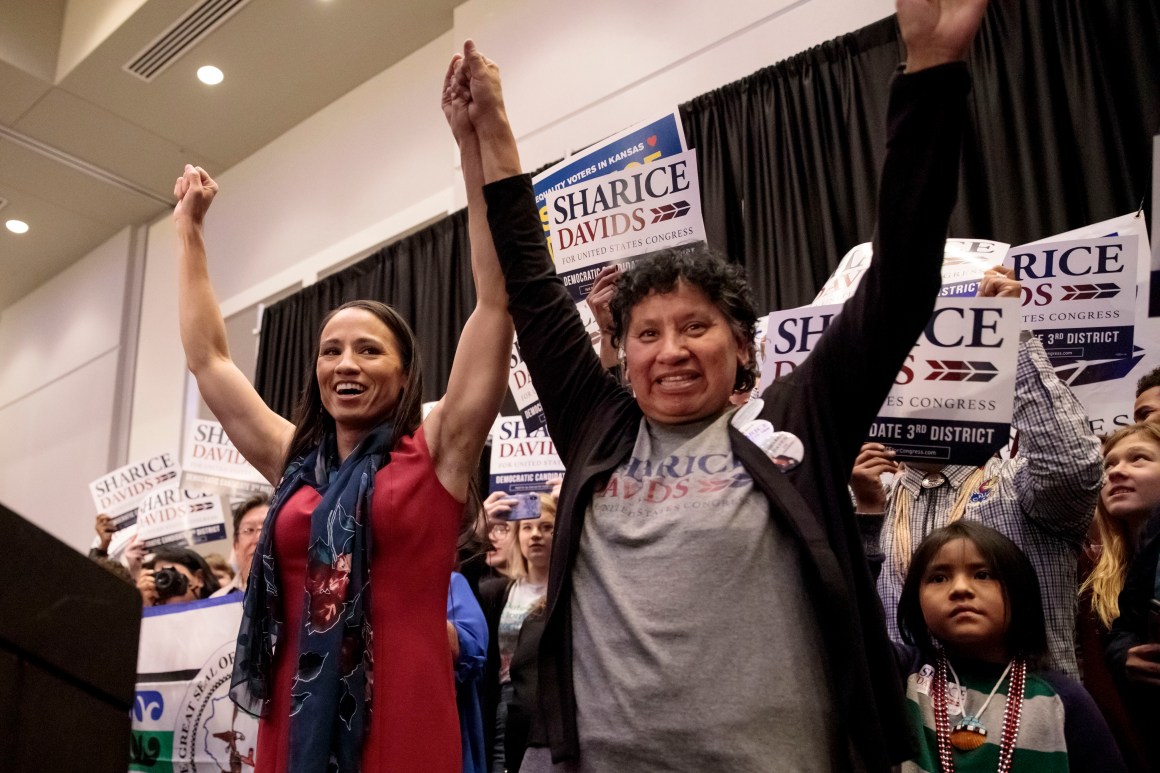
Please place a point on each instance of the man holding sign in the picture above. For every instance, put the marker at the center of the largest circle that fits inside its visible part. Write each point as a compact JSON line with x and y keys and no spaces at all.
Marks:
{"x":1043,"y":499}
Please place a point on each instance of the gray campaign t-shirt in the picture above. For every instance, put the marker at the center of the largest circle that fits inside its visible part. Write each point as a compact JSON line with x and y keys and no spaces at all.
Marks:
{"x":695,"y":646}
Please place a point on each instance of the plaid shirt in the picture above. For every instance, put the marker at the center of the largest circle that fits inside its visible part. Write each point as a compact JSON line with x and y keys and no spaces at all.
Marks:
{"x":1043,"y":499}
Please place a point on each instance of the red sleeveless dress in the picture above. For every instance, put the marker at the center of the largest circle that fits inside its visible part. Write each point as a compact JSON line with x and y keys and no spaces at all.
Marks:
{"x":414,"y":526}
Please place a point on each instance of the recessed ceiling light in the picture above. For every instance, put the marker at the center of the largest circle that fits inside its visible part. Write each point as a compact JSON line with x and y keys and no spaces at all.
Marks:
{"x":17,"y":226}
{"x":210,"y":75}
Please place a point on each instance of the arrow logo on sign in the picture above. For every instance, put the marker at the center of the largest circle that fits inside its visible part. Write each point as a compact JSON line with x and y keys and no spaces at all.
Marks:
{"x":670,"y":211}
{"x":959,"y":370}
{"x":1090,"y":292}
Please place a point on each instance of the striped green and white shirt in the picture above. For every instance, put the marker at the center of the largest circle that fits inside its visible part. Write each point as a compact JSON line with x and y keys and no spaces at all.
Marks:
{"x":1060,"y":729}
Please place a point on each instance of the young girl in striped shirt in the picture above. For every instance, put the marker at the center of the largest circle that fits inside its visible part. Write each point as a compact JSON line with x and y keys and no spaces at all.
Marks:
{"x":971,"y":616}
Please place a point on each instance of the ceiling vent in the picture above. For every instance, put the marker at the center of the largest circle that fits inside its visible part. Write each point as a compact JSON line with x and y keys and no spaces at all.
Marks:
{"x":181,"y":36}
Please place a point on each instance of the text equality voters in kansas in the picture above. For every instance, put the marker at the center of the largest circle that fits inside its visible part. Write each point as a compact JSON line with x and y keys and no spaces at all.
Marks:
{"x":952,"y":401}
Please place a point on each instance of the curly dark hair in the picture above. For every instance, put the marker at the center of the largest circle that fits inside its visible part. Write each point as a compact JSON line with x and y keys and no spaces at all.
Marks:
{"x":724,"y":283}
{"x":1148,"y":381}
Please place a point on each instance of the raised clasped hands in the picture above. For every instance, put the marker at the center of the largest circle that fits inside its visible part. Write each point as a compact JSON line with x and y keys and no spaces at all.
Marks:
{"x":194,"y":191}
{"x":472,"y":93}
{"x":938,"y":31}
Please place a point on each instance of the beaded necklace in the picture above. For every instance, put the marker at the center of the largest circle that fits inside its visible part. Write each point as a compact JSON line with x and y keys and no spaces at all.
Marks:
{"x":1011,"y":715}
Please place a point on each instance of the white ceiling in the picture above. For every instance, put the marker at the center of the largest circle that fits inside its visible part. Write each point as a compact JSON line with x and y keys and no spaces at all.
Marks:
{"x":87,"y":148}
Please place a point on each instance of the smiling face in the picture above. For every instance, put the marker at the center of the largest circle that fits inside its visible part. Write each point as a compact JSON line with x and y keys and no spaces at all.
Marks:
{"x":1132,"y":488}
{"x":963,"y":603}
{"x":359,"y":369}
{"x":682,"y":356}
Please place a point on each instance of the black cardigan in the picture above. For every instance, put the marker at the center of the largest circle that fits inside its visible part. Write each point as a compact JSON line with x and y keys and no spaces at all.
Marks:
{"x":829,"y":402}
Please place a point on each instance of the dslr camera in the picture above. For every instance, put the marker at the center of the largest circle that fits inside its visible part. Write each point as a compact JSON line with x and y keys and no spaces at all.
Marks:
{"x":170,"y":583}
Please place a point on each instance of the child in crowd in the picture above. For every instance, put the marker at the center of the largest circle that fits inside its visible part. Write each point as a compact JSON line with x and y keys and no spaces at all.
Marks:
{"x":1130,"y":493}
{"x":975,"y":636}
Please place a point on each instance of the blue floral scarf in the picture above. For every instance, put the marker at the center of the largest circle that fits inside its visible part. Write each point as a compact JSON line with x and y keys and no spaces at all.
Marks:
{"x":330,"y":696}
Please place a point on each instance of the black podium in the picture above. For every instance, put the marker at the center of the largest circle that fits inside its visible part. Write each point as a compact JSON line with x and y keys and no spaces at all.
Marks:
{"x":68,"y":656}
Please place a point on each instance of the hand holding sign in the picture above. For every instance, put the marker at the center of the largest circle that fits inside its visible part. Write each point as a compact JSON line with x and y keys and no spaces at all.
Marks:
{"x":600,"y":298}
{"x":105,"y":529}
{"x":1000,"y":282}
{"x":599,"y":301}
{"x":874,"y":461}
{"x":938,"y":31}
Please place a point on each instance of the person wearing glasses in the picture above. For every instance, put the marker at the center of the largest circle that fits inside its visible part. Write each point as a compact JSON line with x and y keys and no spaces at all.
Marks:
{"x":248,"y":519}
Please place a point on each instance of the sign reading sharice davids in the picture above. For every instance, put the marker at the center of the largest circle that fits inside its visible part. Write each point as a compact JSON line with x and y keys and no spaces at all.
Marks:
{"x":183,"y":719}
{"x":212,"y":462}
{"x":524,"y":392}
{"x":964,"y":263}
{"x":644,"y":144}
{"x":176,"y":516}
{"x":626,"y":213}
{"x":118,"y":493}
{"x":521,"y":461}
{"x":1079,"y":296}
{"x":1106,"y":385}
{"x":641,"y":144}
{"x":952,"y":401}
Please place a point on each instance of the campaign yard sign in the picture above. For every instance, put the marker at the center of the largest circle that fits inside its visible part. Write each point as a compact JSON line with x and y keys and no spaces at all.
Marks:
{"x":611,"y":218}
{"x":641,"y":144}
{"x":524,"y":392}
{"x":118,"y":493}
{"x":964,"y":263}
{"x":183,"y":720}
{"x":1079,"y":296}
{"x":521,"y":461}
{"x":212,"y":462}
{"x":182,"y":517}
{"x":1106,"y":385}
{"x":636,"y":148}
{"x":953,"y":400}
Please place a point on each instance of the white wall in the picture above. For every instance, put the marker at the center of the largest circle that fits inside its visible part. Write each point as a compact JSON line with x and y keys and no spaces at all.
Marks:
{"x":380,"y":160}
{"x":59,"y":347}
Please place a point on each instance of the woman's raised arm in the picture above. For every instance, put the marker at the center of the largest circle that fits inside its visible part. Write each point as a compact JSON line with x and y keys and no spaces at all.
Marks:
{"x":458,"y":426}
{"x":261,"y":435}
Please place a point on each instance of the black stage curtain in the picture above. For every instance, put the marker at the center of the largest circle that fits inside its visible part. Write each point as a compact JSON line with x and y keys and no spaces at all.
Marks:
{"x":1063,"y":110}
{"x":426,"y":277}
{"x":1066,"y":100}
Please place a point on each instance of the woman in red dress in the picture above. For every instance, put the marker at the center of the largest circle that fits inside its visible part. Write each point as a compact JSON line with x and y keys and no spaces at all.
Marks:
{"x":343,"y":648}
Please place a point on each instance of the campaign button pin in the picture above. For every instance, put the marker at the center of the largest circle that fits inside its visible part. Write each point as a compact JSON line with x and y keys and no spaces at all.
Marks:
{"x":786,"y":450}
{"x":760,"y":432}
